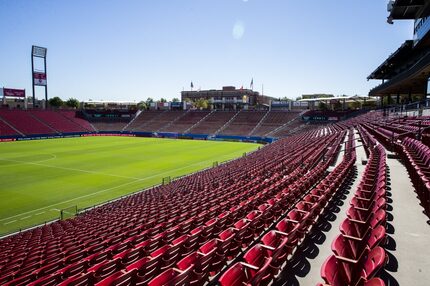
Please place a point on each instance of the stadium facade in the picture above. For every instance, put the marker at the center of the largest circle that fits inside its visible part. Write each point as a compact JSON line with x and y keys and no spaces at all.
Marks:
{"x":405,"y":73}
{"x":228,"y":98}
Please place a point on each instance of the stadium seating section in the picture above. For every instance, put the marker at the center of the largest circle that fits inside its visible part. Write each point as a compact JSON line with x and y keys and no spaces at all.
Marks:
{"x":6,"y":129}
{"x":274,"y":120}
{"x":161,"y":120}
{"x":20,"y":122}
{"x":238,"y":223}
{"x":243,"y":123}
{"x":26,"y":122}
{"x":185,"y":122}
{"x":214,"y":122}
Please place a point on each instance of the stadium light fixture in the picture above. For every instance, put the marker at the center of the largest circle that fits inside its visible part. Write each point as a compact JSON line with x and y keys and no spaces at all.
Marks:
{"x":39,"y":52}
{"x":39,"y":77}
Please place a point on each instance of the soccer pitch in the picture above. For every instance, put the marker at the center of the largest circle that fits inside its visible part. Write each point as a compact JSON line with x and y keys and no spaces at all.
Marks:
{"x":39,"y":178}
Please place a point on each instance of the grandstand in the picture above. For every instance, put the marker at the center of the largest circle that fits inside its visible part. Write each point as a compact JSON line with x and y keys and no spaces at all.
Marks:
{"x":213,"y":122}
{"x":242,"y":123}
{"x":334,"y":198}
{"x":272,"y":121}
{"x":404,"y":74}
{"x":24,"y":123}
{"x":164,"y":120}
{"x":264,"y":211}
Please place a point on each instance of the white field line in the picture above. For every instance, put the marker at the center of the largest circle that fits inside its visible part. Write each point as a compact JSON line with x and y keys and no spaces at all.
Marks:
{"x":12,"y":221}
{"x":68,"y":169}
{"x":24,"y":162}
{"x":109,"y":189}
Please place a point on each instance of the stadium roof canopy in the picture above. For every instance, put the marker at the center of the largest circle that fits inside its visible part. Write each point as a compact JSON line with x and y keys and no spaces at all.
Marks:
{"x":389,"y":67}
{"x":109,"y":102}
{"x":359,"y":97}
{"x":412,"y":80}
{"x":324,"y":99}
{"x":408,"y":9}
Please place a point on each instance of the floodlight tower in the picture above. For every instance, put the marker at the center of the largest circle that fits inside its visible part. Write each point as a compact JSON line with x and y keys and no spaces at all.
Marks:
{"x":39,"y":77}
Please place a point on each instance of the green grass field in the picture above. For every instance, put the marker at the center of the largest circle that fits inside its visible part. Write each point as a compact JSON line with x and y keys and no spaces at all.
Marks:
{"x":39,"y":178}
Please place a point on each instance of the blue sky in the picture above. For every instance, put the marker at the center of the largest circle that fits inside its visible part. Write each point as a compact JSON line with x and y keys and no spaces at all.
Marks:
{"x":134,"y":49}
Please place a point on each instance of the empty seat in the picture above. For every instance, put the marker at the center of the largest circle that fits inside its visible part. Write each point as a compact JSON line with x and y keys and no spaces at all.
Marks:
{"x":172,"y":277}
{"x":278,"y":246}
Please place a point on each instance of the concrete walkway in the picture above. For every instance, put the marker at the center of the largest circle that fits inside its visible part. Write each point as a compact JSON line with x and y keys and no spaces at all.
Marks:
{"x":408,"y":233}
{"x":304,"y":268}
{"x":408,"y":246}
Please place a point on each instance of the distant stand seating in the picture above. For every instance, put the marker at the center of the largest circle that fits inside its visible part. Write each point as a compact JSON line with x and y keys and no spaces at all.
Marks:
{"x":244,"y":123}
{"x":25,"y":122}
{"x":152,"y":121}
{"x":6,"y":130}
{"x":330,"y":115}
{"x":213,"y":122}
{"x":273,"y":120}
{"x":57,"y":121}
{"x":143,"y":119}
{"x":108,"y":120}
{"x":185,"y":122}
{"x":109,"y":125}
{"x":240,"y":123}
{"x":72,"y":115}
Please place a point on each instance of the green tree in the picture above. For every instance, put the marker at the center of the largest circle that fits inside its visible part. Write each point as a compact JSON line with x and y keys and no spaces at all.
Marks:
{"x":201,"y":103}
{"x":72,"y":103}
{"x":322,"y":106}
{"x":175,"y":99}
{"x":149,"y":100}
{"x":163,"y":100}
{"x":369,"y":104}
{"x":142,"y":105}
{"x":337,"y":105}
{"x":55,"y":102}
{"x":355,"y":105}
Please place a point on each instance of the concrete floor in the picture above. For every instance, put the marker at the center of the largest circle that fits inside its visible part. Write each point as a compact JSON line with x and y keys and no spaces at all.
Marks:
{"x":408,"y":245}
{"x":305,"y":266}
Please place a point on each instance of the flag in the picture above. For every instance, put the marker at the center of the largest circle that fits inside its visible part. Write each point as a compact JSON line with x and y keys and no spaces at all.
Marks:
{"x":192,"y":85}
{"x":252,"y":83}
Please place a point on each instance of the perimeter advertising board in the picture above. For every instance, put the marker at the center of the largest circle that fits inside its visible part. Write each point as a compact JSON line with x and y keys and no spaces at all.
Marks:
{"x":11,"y":92}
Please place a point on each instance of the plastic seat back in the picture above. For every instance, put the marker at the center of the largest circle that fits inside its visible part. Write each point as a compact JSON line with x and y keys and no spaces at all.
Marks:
{"x":234,"y":276}
{"x":377,"y":237}
{"x":332,"y":272}
{"x":374,"y":262}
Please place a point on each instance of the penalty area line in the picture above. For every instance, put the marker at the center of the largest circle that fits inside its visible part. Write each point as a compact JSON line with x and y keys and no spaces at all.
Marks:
{"x":116,"y":187}
{"x":9,"y":222}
